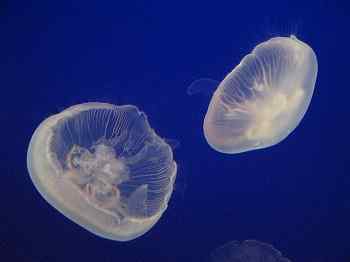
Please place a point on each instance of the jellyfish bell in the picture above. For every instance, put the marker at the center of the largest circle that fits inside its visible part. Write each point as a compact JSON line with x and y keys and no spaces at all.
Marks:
{"x":103,"y":167}
{"x":263,"y":99}
{"x":247,"y":251}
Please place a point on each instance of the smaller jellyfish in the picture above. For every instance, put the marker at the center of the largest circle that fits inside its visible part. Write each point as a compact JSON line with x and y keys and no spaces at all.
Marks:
{"x":263,"y":99}
{"x":247,"y":251}
{"x":103,"y":167}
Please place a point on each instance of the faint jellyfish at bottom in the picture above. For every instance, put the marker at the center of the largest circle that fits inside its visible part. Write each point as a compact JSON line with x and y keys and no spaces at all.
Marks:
{"x":103,"y":167}
{"x":247,"y":251}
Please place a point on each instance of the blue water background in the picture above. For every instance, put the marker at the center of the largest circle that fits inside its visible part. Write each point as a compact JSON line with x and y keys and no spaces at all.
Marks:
{"x":295,"y":195}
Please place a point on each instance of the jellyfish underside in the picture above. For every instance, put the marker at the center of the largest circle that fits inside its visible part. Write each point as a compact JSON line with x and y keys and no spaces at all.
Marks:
{"x":103,"y":167}
{"x":264,"y":98}
{"x":247,"y":251}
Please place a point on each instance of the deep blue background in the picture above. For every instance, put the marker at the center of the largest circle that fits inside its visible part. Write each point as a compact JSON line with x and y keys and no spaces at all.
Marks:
{"x":295,"y":195}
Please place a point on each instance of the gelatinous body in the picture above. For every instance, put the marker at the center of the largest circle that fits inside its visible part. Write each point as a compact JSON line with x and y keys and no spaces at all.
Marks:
{"x":264,"y":98}
{"x":247,"y":251}
{"x":103,"y":167}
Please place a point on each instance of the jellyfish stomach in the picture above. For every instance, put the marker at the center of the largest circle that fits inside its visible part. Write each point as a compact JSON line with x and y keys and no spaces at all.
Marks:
{"x":273,"y":114}
{"x":97,"y":173}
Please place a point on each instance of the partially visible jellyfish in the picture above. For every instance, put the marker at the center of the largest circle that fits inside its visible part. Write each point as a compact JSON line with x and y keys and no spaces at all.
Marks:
{"x":103,"y":167}
{"x":247,"y":251}
{"x":263,"y":99}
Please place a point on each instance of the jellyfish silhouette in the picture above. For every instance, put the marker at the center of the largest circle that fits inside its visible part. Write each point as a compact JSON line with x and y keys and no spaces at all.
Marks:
{"x":103,"y":167}
{"x":247,"y":251}
{"x":263,"y":99}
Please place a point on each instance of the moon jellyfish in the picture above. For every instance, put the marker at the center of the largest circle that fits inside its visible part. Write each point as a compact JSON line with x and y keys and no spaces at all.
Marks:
{"x":263,"y":99}
{"x":103,"y":167}
{"x":247,"y":251}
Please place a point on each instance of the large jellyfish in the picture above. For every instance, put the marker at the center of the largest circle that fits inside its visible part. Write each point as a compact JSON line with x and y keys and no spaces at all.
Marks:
{"x":103,"y":167}
{"x":264,"y":98}
{"x":247,"y":251}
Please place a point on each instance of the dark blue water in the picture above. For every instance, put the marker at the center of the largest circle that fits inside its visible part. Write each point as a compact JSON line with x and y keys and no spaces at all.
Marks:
{"x":295,"y":195}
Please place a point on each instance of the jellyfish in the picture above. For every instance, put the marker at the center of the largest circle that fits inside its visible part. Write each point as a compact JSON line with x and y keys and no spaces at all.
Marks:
{"x":103,"y":167}
{"x":263,"y":99}
{"x":247,"y":251}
